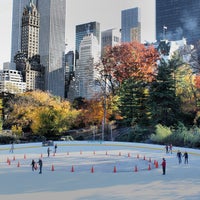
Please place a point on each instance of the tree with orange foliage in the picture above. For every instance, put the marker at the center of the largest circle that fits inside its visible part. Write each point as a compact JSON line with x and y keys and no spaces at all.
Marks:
{"x":197,"y":81}
{"x":128,"y":60}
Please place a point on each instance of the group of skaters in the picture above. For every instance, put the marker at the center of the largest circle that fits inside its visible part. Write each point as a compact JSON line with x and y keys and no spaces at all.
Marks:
{"x":168,"y":148}
{"x":184,"y":155}
{"x":34,"y":165}
{"x":40,"y":163}
{"x":179,"y":155}
{"x":49,"y":150}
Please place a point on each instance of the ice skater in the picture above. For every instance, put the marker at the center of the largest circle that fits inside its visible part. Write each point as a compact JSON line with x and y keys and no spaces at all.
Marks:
{"x":170,"y":148}
{"x":167,"y":148}
{"x":179,"y":155}
{"x":55,"y":148}
{"x":48,"y":151}
{"x":40,"y":166}
{"x":12,"y":147}
{"x":185,"y":155}
{"x":163,"y":166}
{"x":33,"y":165}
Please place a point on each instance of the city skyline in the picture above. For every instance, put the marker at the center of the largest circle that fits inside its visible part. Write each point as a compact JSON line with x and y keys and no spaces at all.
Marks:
{"x":87,"y":11}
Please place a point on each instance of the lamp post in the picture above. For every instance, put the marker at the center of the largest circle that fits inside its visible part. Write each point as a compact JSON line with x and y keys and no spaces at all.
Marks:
{"x":104,"y":108}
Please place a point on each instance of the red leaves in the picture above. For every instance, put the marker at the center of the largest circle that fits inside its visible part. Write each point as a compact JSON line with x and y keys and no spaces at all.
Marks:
{"x":197,"y":81}
{"x":130,"y":60}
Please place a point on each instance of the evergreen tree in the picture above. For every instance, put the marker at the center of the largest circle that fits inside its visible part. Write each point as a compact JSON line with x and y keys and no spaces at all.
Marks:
{"x":165,"y":106}
{"x":133,"y":97}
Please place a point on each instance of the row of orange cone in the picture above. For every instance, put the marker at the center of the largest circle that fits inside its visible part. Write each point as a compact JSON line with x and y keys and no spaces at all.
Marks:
{"x":114,"y":170}
{"x":129,"y":155}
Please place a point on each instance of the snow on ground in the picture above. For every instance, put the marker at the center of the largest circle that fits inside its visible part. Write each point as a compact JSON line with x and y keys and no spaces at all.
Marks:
{"x":98,"y":171}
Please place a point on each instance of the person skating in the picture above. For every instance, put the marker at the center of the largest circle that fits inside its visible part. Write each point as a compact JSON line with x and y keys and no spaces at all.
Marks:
{"x":33,"y":165}
{"x":179,"y":155}
{"x":185,"y":155}
{"x":170,"y":148}
{"x":55,"y":148}
{"x":48,"y":151}
{"x":167,"y":148}
{"x":163,"y":166}
{"x":40,"y":166}
{"x":12,"y":147}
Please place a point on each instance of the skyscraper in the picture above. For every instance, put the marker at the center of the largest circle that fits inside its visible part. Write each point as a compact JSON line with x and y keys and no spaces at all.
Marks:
{"x":27,"y":58}
{"x":176,"y":19}
{"x":51,"y":40}
{"x":110,"y":37}
{"x":52,"y":43}
{"x":86,"y":75}
{"x":83,"y":30}
{"x":30,"y":30}
{"x":131,"y":25}
{"x":18,"y":8}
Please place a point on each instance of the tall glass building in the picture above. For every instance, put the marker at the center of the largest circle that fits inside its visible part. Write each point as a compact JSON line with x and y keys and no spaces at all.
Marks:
{"x":85,"y":29}
{"x":130,"y":19}
{"x":52,"y":44}
{"x":18,"y":8}
{"x":176,"y":19}
{"x":51,"y":40}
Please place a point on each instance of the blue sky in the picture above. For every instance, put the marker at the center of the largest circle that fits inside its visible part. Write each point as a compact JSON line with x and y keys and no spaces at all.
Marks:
{"x":106,"y":12}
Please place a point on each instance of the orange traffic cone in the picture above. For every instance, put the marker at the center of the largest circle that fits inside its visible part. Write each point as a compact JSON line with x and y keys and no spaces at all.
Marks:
{"x":136,"y":169}
{"x":154,"y":162}
{"x":156,"y":165}
{"x":72,"y":170}
{"x":18,"y":164}
{"x":92,"y":169}
{"x":9,"y":162}
{"x":52,"y":168}
{"x":114,"y":170}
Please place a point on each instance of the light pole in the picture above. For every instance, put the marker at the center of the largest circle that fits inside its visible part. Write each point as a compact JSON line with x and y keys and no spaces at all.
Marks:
{"x":104,"y":109}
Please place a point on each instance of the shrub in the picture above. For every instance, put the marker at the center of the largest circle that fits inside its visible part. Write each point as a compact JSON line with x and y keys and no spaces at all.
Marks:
{"x":161,"y":134}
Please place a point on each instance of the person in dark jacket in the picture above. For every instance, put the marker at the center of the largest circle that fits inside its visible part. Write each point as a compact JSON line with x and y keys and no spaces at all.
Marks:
{"x":40,"y":166}
{"x":167,"y":148}
{"x":33,"y":165}
{"x":48,"y":151}
{"x":179,"y":155}
{"x":55,"y":148}
{"x":163,"y":166}
{"x":185,"y":155}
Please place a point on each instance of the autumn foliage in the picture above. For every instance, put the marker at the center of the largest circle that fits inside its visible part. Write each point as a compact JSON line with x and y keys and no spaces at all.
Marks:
{"x":129,"y":60}
{"x":197,"y":81}
{"x":39,"y":113}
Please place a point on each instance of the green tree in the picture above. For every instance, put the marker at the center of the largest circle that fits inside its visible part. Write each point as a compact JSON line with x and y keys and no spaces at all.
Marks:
{"x":134,"y":106}
{"x":165,"y":105}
